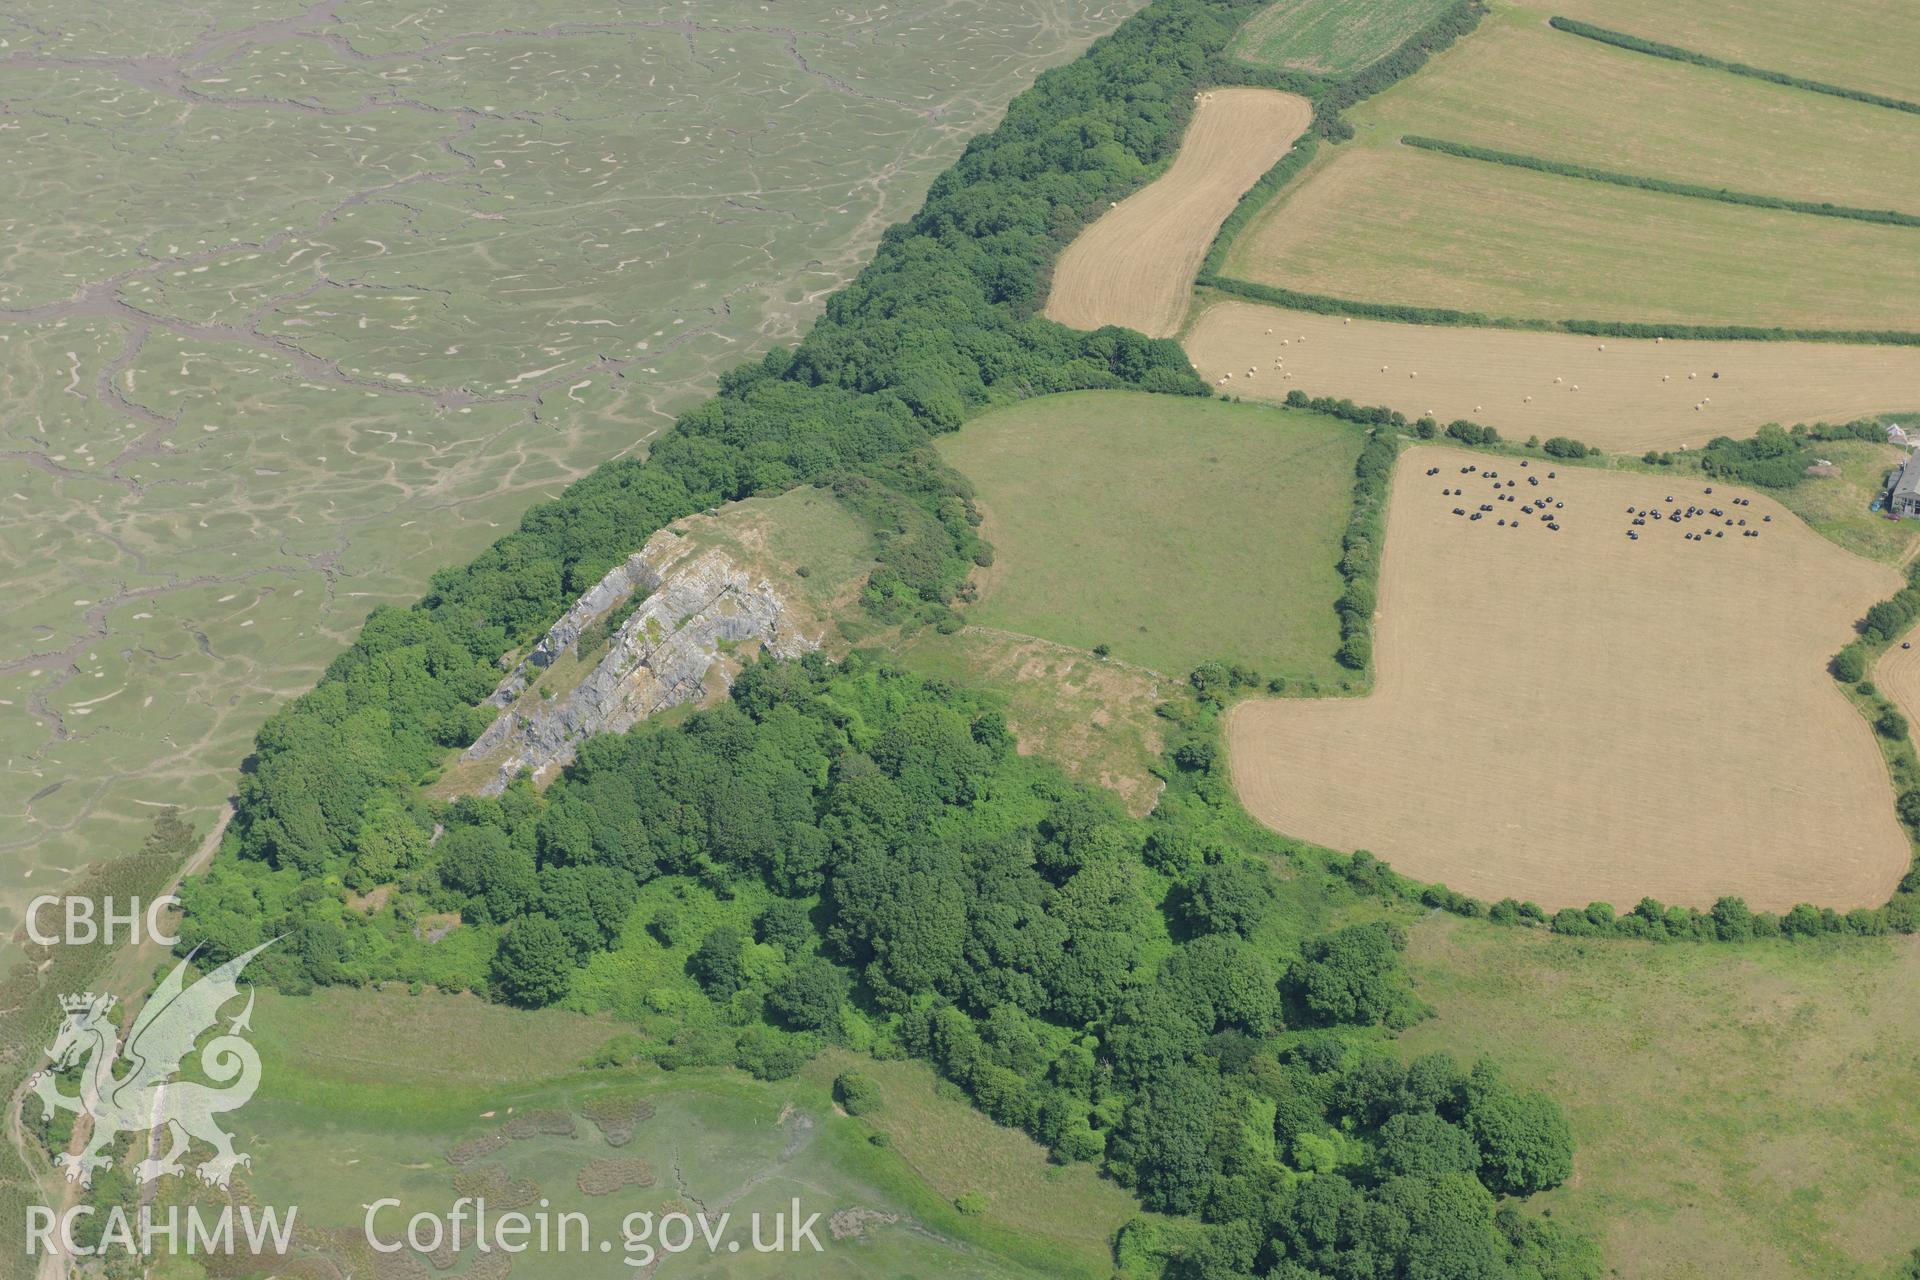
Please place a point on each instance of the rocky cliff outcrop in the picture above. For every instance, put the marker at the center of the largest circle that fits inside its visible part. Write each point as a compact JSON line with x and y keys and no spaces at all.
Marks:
{"x":699,"y":604}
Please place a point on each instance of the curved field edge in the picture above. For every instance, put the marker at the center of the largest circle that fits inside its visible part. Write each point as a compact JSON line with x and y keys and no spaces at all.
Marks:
{"x":1520,"y":87}
{"x":1868,"y":44}
{"x":1653,"y":48}
{"x":1136,"y":264}
{"x":1640,"y":182}
{"x":1526,"y":816}
{"x":1328,"y":304}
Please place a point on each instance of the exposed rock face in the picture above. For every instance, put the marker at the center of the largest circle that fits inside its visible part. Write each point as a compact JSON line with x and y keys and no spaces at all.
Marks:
{"x":660,"y":657}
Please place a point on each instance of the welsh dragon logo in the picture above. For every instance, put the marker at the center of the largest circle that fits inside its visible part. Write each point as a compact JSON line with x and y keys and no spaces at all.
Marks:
{"x":145,"y":1097}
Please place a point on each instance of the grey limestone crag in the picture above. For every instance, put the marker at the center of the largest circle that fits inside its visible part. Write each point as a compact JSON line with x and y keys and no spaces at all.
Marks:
{"x":661,"y":656}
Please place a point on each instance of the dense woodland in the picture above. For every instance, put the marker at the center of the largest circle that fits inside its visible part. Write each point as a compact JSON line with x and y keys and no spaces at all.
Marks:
{"x":1132,"y":992}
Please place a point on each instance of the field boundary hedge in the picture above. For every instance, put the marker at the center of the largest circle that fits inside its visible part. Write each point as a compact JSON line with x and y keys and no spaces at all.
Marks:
{"x":1256,"y":198}
{"x":1327,"y":304}
{"x":1653,"y":48}
{"x":1665,"y":186}
{"x":1330,"y":97}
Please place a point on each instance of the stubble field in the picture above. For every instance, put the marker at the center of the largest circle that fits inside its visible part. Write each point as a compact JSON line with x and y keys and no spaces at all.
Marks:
{"x":1578,"y":716}
{"x":1135,"y":265}
{"x":1632,"y":394}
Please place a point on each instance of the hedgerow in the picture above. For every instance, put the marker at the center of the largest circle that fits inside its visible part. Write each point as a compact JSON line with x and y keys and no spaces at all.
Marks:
{"x":1325,"y":304}
{"x":1517,"y":160}
{"x":1654,"y":48}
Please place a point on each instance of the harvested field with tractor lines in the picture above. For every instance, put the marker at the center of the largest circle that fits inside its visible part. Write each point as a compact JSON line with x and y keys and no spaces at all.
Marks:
{"x":1579,"y":715}
{"x":1135,"y":266}
{"x":1897,"y":675}
{"x":1633,"y":394}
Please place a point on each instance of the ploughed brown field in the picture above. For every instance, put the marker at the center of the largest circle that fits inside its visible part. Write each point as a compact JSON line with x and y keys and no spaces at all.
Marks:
{"x":1573,"y":716}
{"x":1619,"y":394}
{"x":1135,"y":265}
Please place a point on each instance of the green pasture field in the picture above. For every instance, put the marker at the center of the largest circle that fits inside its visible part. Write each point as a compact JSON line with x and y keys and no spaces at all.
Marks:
{"x":366,"y":1093}
{"x":1860,"y":44}
{"x":1310,"y":35}
{"x":358,"y":341}
{"x":1518,"y":85}
{"x":1174,"y":530}
{"x":1837,"y":506}
{"x":1739,"y":1110}
{"x":1418,"y":228}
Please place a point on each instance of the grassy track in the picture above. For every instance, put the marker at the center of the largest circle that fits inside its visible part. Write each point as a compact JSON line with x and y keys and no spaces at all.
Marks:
{"x":1742,"y":1111}
{"x":1305,"y":35}
{"x":1425,"y":229}
{"x":1174,"y":530}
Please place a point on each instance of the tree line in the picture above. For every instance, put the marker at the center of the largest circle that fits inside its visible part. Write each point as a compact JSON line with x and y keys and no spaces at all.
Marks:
{"x":1653,"y":48}
{"x":1517,"y":160}
{"x":1326,"y":304}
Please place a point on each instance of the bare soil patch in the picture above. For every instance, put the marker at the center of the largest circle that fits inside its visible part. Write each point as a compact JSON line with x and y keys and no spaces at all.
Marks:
{"x":1093,"y":716}
{"x":1576,"y":715}
{"x":1135,"y":266}
{"x":1619,"y":394}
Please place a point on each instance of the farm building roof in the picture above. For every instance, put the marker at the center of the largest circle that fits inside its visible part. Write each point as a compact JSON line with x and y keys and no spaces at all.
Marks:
{"x":1908,"y":482}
